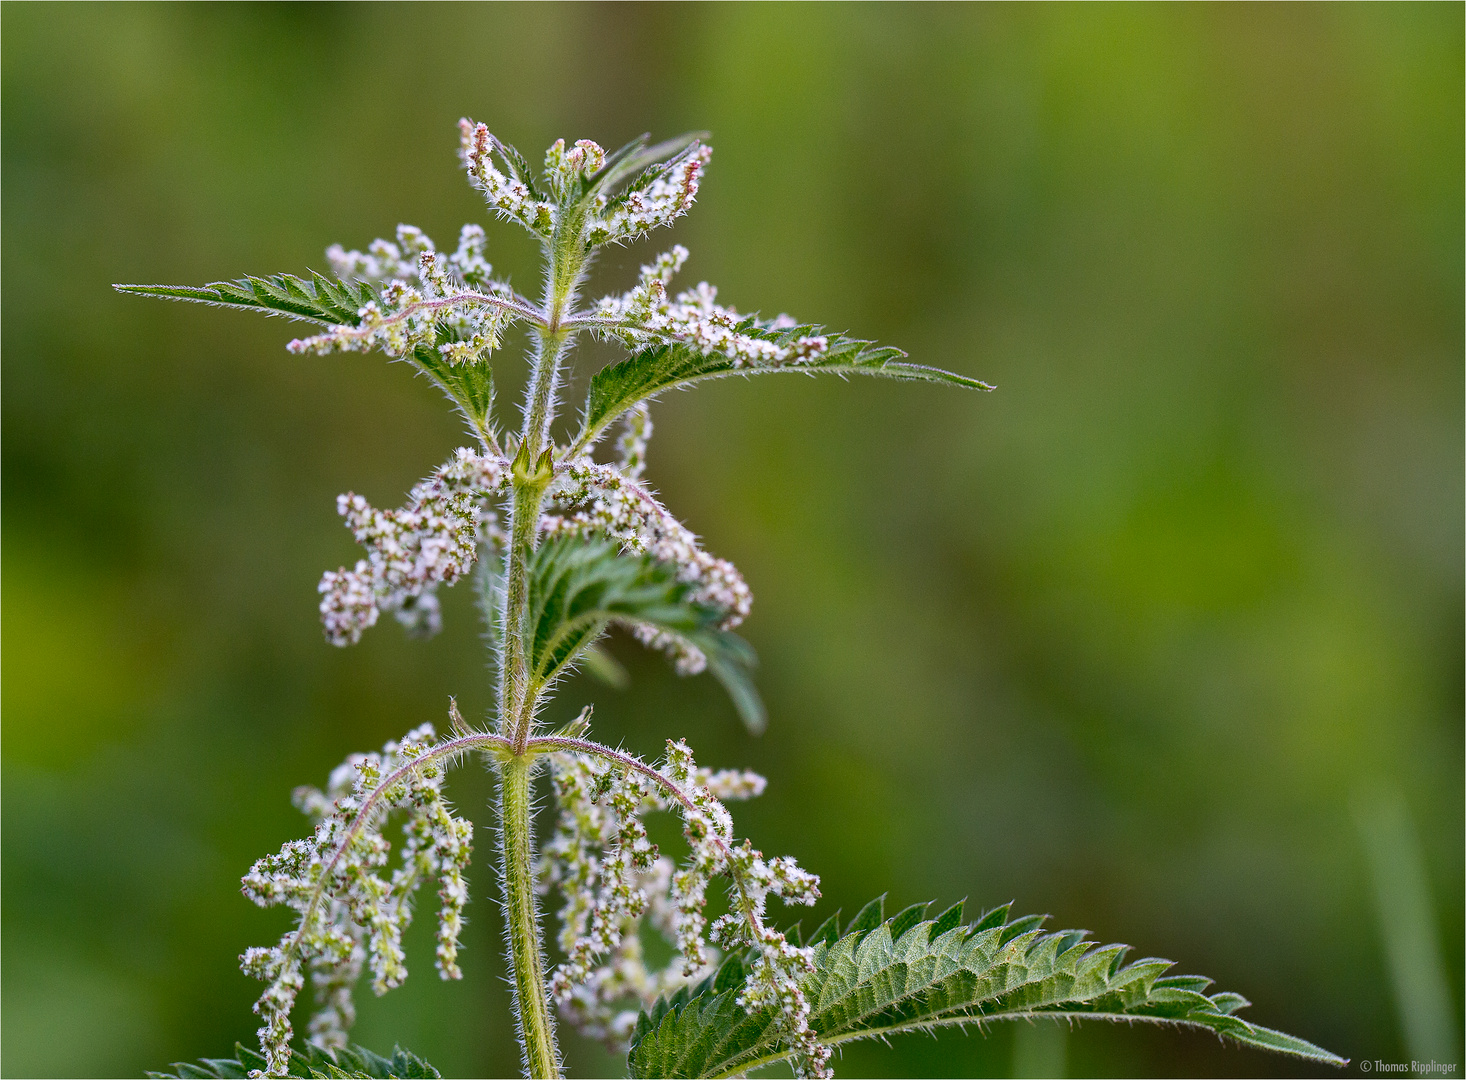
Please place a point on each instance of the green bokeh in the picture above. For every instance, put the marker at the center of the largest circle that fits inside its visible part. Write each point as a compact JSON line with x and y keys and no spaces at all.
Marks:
{"x":1121,"y":641}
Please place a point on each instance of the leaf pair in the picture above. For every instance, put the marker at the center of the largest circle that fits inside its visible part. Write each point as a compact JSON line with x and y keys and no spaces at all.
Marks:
{"x":882,"y":977}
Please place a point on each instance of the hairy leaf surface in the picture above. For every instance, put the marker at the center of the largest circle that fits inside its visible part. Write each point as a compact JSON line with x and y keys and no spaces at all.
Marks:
{"x":616,"y":388}
{"x":910,"y":973}
{"x":353,"y":1061}
{"x":470,"y":385}
{"x":579,"y":587}
{"x":330,"y":301}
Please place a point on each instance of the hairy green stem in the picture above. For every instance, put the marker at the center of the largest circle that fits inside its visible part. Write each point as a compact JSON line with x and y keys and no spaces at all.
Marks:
{"x":518,"y":693}
{"x":521,"y":918}
{"x":516,"y":704}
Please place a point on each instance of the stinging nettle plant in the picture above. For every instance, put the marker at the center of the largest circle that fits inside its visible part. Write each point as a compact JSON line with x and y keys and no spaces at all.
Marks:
{"x":560,"y":548}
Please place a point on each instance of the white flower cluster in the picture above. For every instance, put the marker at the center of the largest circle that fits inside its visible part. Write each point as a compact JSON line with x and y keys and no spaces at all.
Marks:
{"x":602,"y":500}
{"x":778,"y":967}
{"x":383,"y":260}
{"x":512,"y":198}
{"x":658,"y":198}
{"x":421,"y":291}
{"x":350,"y":914}
{"x":611,"y":878}
{"x":646,"y":314}
{"x":660,"y":195}
{"x":436,"y":537}
{"x":564,"y":168}
{"x":431,"y":541}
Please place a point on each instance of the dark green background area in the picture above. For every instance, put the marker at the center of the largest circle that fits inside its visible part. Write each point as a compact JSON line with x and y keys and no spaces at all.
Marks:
{"x":1125,"y":641}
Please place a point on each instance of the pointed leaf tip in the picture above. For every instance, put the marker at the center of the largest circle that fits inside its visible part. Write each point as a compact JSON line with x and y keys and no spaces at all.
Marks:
{"x":907,"y":919}
{"x":319,"y":300}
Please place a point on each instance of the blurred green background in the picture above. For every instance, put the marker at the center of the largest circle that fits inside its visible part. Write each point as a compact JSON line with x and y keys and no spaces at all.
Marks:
{"x":1139,"y":639}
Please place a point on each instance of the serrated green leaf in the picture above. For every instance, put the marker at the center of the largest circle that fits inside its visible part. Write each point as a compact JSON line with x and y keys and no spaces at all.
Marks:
{"x":1229,"y":1002}
{"x":518,"y":168}
{"x":868,"y":917}
{"x":578,"y":588}
{"x":827,"y":931}
{"x":320,"y":300}
{"x":906,"y":919}
{"x":616,"y":388}
{"x":949,"y":919}
{"x":996,"y":917}
{"x":1019,"y":927}
{"x":470,"y":385}
{"x":312,"y":1064}
{"x":902,"y":975}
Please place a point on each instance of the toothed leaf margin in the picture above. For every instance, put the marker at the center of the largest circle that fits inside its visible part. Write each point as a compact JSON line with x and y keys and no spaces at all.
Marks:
{"x":329,"y":301}
{"x":881,"y":978}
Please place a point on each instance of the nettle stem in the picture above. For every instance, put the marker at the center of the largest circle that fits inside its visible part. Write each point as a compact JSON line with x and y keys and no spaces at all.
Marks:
{"x":519,"y":693}
{"x":521,"y":914}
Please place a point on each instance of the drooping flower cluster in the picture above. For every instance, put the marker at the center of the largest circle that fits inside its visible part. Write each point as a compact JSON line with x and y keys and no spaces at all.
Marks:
{"x":436,"y":538}
{"x":611,"y":879}
{"x":609,"y":876}
{"x":646,"y":314}
{"x":778,"y":966}
{"x":431,"y":541}
{"x":604,"y":501}
{"x":632,"y":444}
{"x":350,"y":914}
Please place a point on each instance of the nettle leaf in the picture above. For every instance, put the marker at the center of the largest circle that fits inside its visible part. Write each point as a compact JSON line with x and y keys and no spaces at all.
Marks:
{"x":577,"y":588}
{"x":470,"y":385}
{"x":600,"y":665}
{"x":913,"y":974}
{"x":330,"y":301}
{"x":518,"y":167}
{"x":313,"y":1062}
{"x":616,"y":388}
{"x":334,"y":302}
{"x":639,"y":156}
{"x":731,"y":661}
{"x":642,"y":165}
